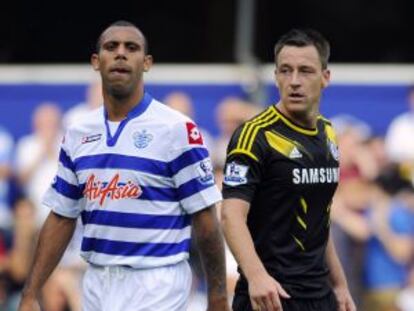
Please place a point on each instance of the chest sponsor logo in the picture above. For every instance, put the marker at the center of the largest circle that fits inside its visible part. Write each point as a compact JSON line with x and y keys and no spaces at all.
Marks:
{"x":205,"y":171}
{"x":194,"y":135}
{"x":236,"y":174}
{"x":322,"y":175}
{"x":112,"y":190}
{"x":91,"y":138}
{"x":142,"y":139}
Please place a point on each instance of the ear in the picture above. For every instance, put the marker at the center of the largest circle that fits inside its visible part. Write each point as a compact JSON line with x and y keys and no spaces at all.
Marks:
{"x":95,"y":61}
{"x":326,"y":77}
{"x":147,"y":62}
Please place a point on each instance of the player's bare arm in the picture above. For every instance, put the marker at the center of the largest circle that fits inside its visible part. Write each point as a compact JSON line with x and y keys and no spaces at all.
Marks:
{"x":211,"y":248}
{"x":337,"y":276}
{"x":53,"y":240}
{"x":264,"y":290}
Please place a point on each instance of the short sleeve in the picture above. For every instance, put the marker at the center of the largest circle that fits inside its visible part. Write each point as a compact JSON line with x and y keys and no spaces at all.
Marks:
{"x":243,"y":170}
{"x":191,"y":168}
{"x":64,"y":194}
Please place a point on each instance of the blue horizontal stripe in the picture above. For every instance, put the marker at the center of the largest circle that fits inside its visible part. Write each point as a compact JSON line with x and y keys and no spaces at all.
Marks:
{"x":109,"y":160}
{"x":191,"y":187}
{"x":134,"y":249}
{"x":131,"y":220}
{"x":66,"y":189}
{"x":165,"y":169}
{"x":66,"y":160}
{"x":189,"y":157}
{"x":158,"y":194}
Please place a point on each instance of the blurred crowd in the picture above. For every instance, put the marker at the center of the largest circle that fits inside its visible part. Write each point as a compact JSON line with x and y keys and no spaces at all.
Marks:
{"x":372,"y":212}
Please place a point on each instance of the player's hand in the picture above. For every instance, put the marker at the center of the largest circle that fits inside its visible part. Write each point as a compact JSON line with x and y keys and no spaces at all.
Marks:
{"x":344,"y":299}
{"x":265,"y":293}
{"x":29,"y":304}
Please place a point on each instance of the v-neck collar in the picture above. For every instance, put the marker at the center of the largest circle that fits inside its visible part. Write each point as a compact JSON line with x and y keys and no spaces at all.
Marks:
{"x":135,"y":112}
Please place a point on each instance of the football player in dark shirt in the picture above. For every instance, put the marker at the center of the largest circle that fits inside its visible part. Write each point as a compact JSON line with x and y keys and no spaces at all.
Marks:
{"x":280,"y":176}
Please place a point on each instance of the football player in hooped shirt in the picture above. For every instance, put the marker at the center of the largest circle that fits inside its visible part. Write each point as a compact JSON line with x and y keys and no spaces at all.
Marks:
{"x":139,"y":176}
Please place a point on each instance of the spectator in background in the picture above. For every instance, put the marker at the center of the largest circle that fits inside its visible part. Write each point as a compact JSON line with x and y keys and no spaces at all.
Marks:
{"x":350,"y":229}
{"x":93,"y":100}
{"x":6,"y":217}
{"x":362,"y":158}
{"x":36,"y":165}
{"x":356,"y":159}
{"x":37,"y":154}
{"x":230,"y":114}
{"x":15,"y":262}
{"x":390,"y":243}
{"x":182,"y":102}
{"x":399,"y":140}
{"x":376,"y":149}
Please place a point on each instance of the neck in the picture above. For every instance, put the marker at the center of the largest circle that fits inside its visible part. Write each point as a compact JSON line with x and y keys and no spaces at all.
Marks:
{"x":306,"y":119}
{"x":118,"y":107}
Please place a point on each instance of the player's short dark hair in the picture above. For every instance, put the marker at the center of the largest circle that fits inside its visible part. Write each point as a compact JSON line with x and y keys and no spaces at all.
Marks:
{"x":121,"y":23}
{"x":302,"y":38}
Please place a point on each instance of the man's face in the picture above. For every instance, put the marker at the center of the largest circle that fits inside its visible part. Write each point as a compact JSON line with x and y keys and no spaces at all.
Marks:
{"x":121,"y":59}
{"x":300,"y":78}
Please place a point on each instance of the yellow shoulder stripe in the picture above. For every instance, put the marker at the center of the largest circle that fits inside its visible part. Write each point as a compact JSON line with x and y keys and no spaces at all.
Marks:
{"x":257,"y":128}
{"x":247,"y":128}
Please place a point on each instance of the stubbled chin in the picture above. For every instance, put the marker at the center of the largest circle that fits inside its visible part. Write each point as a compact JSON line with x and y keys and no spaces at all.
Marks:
{"x":297,"y":107}
{"x":118,"y":76}
{"x":296,"y":100}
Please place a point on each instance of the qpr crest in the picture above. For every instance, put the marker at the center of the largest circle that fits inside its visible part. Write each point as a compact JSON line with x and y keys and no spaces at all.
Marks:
{"x":333,"y":148}
{"x":142,"y":139}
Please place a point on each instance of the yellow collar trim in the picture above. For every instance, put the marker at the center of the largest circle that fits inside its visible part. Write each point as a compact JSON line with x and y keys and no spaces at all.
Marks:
{"x":294,"y":127}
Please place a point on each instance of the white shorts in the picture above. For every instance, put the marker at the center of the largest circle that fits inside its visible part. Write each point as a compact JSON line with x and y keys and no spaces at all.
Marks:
{"x":126,"y":289}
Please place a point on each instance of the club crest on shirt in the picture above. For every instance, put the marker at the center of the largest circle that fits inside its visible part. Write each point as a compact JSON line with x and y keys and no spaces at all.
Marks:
{"x":142,"y":139}
{"x":333,"y":148}
{"x":91,"y":138}
{"x":205,"y":170}
{"x":194,"y":135}
{"x":235,"y":174}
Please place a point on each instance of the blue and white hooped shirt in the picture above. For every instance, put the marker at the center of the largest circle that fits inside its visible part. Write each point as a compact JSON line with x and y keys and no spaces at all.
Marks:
{"x":135,"y":190}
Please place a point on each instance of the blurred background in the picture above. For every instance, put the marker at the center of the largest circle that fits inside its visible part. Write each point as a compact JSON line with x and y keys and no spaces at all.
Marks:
{"x":213,"y":61}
